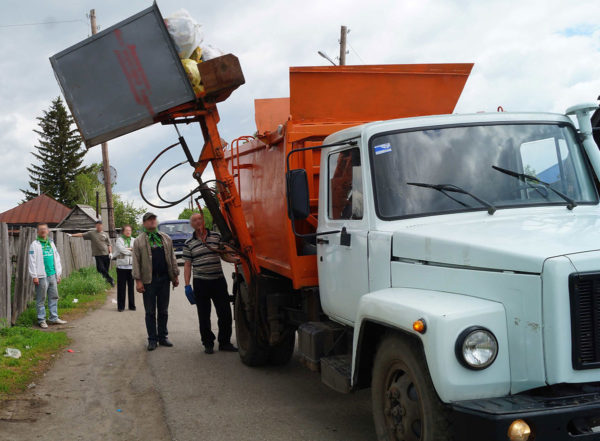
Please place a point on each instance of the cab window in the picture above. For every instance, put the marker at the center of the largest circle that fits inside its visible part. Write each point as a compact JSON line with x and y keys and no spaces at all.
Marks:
{"x":345,"y":185}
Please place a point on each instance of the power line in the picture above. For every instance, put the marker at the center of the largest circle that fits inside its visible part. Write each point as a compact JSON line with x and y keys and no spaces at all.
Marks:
{"x":40,"y":23}
{"x":354,"y":50}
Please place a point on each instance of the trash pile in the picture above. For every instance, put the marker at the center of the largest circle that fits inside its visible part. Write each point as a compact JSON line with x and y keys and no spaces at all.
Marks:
{"x":189,"y":39}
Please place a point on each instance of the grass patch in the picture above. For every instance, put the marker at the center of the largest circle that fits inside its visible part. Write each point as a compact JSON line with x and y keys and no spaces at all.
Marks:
{"x":36,"y":348}
{"x":86,"y":285}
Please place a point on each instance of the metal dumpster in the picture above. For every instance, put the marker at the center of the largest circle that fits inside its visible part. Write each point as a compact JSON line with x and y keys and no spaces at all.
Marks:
{"x":116,"y":81}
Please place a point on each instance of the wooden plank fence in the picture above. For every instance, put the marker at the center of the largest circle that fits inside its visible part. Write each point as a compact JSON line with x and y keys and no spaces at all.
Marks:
{"x":75,"y":253}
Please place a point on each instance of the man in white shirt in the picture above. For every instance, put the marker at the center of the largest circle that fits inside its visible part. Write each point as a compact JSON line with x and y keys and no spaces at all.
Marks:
{"x":45,"y":270}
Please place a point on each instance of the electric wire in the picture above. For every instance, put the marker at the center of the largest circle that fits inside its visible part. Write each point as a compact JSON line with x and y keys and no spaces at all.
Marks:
{"x":16,"y":25}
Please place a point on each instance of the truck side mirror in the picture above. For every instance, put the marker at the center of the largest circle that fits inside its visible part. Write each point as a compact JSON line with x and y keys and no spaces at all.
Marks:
{"x":297,"y":194}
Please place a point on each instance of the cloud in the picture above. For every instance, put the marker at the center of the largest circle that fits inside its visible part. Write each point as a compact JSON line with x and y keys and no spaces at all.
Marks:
{"x":529,"y":56}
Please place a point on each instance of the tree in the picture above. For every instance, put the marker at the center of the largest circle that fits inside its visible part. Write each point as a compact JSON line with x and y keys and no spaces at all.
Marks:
{"x":126,"y":213}
{"x":86,"y":184}
{"x":187,"y":213}
{"x":83,"y":191}
{"x":59,"y":155}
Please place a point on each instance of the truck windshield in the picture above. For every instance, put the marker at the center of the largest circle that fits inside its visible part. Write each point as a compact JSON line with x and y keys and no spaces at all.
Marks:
{"x":465,"y":156}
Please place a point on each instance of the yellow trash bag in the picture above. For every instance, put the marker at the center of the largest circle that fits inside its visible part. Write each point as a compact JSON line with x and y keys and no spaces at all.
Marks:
{"x":191,"y":68}
{"x":197,"y":55}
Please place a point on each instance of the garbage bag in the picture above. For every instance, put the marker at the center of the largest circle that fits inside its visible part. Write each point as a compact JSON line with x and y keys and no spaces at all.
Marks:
{"x":12,"y":353}
{"x":185,"y":31}
{"x":197,"y":55}
{"x":191,"y":69}
{"x":209,"y":52}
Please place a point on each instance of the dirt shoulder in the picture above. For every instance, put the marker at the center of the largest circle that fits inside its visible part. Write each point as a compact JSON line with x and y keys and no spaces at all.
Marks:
{"x":103,"y":390}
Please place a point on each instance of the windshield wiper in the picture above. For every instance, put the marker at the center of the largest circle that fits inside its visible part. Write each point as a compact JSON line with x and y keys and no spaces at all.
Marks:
{"x":443,"y":188}
{"x":525,"y":177}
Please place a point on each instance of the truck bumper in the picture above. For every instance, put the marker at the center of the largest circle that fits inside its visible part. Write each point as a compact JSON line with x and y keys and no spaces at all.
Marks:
{"x":551,"y":418}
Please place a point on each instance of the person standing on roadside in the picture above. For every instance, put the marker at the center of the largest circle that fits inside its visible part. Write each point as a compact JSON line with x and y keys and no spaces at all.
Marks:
{"x":123,"y":246}
{"x":101,"y":249}
{"x":45,"y":270}
{"x":154,"y":269}
{"x":209,"y":284}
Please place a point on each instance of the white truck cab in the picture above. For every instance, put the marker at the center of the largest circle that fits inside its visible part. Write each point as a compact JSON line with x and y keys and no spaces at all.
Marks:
{"x":470,"y":246}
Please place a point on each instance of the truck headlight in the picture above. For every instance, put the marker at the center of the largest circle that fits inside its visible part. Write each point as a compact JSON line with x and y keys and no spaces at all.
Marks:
{"x":476,"y":348}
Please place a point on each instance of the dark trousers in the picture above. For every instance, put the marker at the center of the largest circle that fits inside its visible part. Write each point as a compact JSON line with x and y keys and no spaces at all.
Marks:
{"x":156,"y":298}
{"x":102,"y":265}
{"x":215,"y":290}
{"x":125,"y":283}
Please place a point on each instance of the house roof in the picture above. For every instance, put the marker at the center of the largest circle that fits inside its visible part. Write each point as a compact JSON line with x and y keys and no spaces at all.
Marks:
{"x":39,"y":209}
{"x":85,"y":209}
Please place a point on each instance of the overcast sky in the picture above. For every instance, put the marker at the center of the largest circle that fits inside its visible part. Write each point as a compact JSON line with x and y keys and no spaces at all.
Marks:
{"x":529,"y":56}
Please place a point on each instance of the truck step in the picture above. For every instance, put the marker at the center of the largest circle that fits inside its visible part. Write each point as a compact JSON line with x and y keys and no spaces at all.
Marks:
{"x":336,"y":371}
{"x":319,"y":339}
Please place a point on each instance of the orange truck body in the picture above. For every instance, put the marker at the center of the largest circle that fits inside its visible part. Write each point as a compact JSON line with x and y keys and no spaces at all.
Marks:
{"x":323,"y":100}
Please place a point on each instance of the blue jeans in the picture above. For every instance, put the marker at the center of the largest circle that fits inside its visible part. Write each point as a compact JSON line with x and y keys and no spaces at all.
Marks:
{"x":47,"y":286}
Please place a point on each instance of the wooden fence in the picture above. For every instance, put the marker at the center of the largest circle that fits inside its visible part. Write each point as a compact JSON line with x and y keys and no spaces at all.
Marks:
{"x":75,"y":253}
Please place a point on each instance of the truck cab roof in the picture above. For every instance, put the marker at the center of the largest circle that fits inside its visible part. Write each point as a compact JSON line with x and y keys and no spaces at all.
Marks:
{"x":445,"y":120}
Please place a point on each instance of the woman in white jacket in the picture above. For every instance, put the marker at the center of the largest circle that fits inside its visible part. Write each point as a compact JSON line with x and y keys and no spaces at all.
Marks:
{"x":124,"y":246}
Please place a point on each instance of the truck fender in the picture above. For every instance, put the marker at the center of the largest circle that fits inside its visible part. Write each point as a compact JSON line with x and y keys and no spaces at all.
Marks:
{"x":446,"y":316}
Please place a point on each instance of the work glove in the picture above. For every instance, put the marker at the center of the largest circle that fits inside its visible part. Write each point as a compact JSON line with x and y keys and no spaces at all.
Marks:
{"x":110,"y":256}
{"x":189,"y":293}
{"x":69,"y":234}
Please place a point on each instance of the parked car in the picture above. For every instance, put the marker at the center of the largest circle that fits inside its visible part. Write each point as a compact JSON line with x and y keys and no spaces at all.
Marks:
{"x":179,"y":231}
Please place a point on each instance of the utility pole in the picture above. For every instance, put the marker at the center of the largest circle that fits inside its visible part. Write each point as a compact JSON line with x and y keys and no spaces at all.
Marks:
{"x":343,"y":35}
{"x":105,"y":162}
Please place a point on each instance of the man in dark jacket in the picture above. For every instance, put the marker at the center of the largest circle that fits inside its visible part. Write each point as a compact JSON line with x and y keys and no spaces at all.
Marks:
{"x":154,"y":269}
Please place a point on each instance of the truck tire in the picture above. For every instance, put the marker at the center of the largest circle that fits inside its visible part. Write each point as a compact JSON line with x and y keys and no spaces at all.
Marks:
{"x":252,"y":352}
{"x":281,"y":354}
{"x":405,"y":404}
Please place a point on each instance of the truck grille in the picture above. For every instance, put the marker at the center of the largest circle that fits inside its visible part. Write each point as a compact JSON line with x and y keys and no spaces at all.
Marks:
{"x":584,"y":291}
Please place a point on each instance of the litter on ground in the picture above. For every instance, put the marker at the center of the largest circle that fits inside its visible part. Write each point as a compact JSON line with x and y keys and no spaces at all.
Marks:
{"x":12,"y":353}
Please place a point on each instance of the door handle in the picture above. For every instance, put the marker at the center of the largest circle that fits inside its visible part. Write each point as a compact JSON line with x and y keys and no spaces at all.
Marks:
{"x":322,"y":241}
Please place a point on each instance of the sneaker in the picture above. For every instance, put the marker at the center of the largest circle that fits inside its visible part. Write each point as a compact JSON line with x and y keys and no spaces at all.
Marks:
{"x":43,"y":325}
{"x":228,"y":348}
{"x":57,"y":322}
{"x":209,"y":350}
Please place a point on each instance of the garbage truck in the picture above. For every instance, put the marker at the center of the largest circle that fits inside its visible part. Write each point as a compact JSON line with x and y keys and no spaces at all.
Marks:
{"x":448,"y":262}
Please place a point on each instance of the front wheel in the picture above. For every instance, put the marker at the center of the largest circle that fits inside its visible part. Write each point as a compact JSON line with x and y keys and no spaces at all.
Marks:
{"x":405,"y":404}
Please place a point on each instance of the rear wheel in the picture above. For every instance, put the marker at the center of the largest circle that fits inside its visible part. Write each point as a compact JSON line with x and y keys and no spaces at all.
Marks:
{"x":405,"y":404}
{"x":281,"y":353}
{"x":252,"y":351}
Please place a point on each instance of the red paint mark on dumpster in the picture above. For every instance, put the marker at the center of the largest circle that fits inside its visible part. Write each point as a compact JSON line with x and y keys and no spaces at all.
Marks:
{"x":134,"y":72}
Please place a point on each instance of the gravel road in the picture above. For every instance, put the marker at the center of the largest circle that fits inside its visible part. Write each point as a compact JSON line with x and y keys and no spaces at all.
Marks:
{"x":111,"y":388}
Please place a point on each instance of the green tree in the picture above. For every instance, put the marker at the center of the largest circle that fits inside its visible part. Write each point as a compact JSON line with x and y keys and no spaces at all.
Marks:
{"x":126,"y":213}
{"x":59,"y":155}
{"x":86,"y":184}
{"x":187,"y":213}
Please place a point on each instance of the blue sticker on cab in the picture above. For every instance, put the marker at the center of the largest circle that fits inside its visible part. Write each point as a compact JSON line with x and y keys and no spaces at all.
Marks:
{"x":382,"y":148}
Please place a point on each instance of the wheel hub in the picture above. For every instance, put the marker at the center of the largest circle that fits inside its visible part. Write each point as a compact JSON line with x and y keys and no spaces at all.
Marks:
{"x":402,"y":408}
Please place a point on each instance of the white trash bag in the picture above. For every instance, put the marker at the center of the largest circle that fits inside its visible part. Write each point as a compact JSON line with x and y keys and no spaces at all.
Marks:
{"x":185,"y":31}
{"x":209,"y":52}
{"x":12,"y":353}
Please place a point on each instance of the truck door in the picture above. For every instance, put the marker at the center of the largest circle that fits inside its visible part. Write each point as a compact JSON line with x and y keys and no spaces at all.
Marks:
{"x":342,"y":256}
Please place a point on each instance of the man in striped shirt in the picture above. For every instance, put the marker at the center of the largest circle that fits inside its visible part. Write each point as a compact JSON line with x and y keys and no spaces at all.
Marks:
{"x":209,"y":284}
